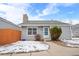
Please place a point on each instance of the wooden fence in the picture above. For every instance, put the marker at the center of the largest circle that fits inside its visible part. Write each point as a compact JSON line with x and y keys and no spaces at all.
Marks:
{"x":9,"y":36}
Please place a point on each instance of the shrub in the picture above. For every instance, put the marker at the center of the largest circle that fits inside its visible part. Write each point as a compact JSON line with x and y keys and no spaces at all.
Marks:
{"x":37,"y":37}
{"x":55,"y":33}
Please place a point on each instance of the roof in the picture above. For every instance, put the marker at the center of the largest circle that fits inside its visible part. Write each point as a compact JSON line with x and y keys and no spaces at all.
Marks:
{"x":75,"y":27}
{"x":44,"y":22}
{"x":4,"y":20}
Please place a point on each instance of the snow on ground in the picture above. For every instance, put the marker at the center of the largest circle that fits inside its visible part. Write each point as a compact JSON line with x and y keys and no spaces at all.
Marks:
{"x":24,"y":46}
{"x":72,"y":43}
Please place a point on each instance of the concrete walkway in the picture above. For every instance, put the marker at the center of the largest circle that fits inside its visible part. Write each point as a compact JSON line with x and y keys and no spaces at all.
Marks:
{"x":54,"y":50}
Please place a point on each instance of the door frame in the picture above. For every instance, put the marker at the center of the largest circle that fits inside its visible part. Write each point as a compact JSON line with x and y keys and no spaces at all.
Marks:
{"x":45,"y":36}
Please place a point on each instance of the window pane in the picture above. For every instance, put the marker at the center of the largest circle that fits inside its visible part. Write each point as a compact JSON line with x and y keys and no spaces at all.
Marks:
{"x":29,"y":31}
{"x":34,"y":31}
{"x":46,"y":31}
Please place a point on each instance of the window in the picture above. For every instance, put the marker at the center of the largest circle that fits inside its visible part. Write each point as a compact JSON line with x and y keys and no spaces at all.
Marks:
{"x":46,"y":31}
{"x":32,"y":31}
{"x":29,"y":31}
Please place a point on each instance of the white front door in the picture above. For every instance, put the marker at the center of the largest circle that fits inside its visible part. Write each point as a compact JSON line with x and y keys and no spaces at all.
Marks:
{"x":45,"y":32}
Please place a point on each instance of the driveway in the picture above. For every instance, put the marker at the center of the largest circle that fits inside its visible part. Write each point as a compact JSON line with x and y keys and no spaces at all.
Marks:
{"x":54,"y":50}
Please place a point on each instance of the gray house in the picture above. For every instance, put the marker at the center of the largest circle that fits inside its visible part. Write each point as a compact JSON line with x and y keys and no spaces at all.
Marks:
{"x":31,"y":28}
{"x":5,"y":24}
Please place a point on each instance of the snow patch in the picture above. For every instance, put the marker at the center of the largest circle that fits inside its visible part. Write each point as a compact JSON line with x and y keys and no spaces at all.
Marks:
{"x":24,"y":46}
{"x":72,"y":43}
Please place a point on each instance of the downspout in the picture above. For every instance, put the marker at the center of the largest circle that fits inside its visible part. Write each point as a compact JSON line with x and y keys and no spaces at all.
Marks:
{"x":71,"y":28}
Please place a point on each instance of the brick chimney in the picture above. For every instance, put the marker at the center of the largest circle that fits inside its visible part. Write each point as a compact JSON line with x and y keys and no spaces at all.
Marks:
{"x":25,"y":18}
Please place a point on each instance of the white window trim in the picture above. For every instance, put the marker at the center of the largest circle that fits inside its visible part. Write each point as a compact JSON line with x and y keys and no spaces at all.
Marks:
{"x":44,"y":31}
{"x":32,"y":32}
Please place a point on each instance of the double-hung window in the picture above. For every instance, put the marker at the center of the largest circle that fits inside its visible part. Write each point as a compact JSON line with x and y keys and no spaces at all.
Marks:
{"x":32,"y":31}
{"x":29,"y":31}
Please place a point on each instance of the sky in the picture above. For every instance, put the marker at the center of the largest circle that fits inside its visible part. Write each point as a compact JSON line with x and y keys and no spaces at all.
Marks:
{"x":65,"y":12}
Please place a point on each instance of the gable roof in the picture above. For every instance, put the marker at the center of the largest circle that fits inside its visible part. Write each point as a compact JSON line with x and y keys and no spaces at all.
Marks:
{"x":6,"y":21}
{"x":44,"y":23}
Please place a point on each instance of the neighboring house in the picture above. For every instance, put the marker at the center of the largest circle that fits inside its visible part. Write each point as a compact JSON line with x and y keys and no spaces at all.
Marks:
{"x":9,"y":32}
{"x":75,"y":30}
{"x":5,"y":24}
{"x":31,"y":28}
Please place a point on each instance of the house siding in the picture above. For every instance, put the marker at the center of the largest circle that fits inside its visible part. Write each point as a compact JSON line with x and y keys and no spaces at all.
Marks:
{"x":66,"y":33}
{"x":23,"y":33}
{"x":40,"y":31}
{"x":75,"y":30}
{"x":5,"y":25}
{"x":32,"y":37}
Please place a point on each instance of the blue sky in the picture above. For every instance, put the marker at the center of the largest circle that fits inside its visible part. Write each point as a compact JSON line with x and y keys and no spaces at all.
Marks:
{"x":40,"y":11}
